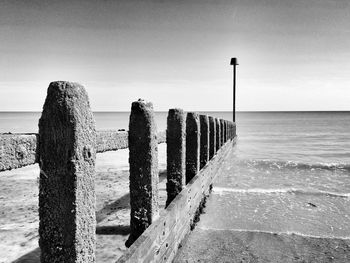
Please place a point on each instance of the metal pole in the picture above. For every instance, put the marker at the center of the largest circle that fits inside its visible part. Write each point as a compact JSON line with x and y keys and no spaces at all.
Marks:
{"x":234,"y":93}
{"x":234,"y":64}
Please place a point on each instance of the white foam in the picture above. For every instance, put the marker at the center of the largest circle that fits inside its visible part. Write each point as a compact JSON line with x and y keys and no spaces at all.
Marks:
{"x":224,"y":190}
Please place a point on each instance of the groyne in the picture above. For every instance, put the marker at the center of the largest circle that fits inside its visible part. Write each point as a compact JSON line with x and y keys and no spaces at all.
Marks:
{"x":20,"y":150}
{"x":66,"y":148}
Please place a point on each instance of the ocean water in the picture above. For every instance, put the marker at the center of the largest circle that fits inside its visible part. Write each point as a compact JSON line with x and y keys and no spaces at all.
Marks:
{"x":289,"y":172}
{"x":27,"y":122}
{"x":284,"y":138}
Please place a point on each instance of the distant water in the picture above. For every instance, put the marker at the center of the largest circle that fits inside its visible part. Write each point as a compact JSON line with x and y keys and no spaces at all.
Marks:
{"x":274,"y":140}
{"x":27,"y":122}
{"x":294,"y":163}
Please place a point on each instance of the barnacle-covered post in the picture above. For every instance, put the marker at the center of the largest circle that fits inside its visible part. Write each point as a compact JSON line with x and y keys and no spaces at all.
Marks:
{"x":143,"y":163}
{"x":67,"y":152}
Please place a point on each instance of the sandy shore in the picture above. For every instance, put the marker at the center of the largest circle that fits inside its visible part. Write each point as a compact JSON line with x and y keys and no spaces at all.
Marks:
{"x":19,"y":208}
{"x":207,"y":245}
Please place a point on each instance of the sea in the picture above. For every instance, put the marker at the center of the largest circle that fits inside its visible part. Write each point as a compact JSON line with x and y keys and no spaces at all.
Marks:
{"x":292,"y":164}
{"x":289,"y":174}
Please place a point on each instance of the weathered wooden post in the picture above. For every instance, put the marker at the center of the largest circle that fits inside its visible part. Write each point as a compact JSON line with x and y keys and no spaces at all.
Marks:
{"x":143,"y":162}
{"x":232,"y":134}
{"x":67,"y":152}
{"x":226,"y":130}
{"x":176,"y":153}
{"x":232,"y":131}
{"x":222,"y":132}
{"x":218,"y":134}
{"x":212,"y":137}
{"x":204,"y":140}
{"x":229,"y":130}
{"x":192,"y":145}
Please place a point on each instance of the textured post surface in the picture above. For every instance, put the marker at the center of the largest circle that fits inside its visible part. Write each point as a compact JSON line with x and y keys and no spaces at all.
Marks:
{"x":225,"y":131}
{"x":222,"y":132}
{"x":19,"y":150}
{"x":230,"y":130}
{"x":176,"y":153}
{"x":192,"y":145}
{"x":67,"y":152}
{"x":218,"y":134}
{"x":204,"y":140}
{"x":143,"y":162}
{"x":232,"y":134}
{"x":212,"y":137}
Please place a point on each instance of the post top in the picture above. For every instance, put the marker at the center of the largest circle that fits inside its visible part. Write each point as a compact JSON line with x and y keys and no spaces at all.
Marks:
{"x":234,"y":61}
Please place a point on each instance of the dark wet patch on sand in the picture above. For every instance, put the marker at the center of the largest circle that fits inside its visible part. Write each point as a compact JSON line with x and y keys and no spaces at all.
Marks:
{"x":207,"y":245}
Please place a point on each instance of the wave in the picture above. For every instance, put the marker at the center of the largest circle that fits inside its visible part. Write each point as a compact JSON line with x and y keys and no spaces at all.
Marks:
{"x":223,"y":190}
{"x":290,"y":233}
{"x":271,"y":164}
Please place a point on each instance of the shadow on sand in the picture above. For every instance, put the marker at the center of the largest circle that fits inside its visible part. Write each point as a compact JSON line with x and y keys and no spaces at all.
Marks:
{"x":121,"y":203}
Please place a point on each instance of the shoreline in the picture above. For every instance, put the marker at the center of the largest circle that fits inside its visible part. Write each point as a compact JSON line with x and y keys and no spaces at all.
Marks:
{"x":251,"y":246}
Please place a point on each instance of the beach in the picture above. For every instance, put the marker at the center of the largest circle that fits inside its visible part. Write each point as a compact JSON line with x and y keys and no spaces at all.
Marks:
{"x":285,"y":191}
{"x":260,"y":247}
{"x":19,"y":208}
{"x":271,"y":75}
{"x":254,"y":215}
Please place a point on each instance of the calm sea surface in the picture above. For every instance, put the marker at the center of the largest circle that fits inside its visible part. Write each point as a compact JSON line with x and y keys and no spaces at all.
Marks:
{"x":294,"y":162}
{"x":319,"y":139}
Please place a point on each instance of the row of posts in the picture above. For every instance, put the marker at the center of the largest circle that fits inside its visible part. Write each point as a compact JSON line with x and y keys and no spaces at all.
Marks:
{"x":67,"y":154}
{"x":192,"y":140}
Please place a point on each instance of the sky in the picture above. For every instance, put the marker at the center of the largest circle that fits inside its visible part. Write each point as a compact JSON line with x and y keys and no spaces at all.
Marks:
{"x":292,"y":54}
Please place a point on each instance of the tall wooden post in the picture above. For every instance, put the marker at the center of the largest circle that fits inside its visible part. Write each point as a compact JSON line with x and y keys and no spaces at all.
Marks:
{"x":192,"y":145}
{"x":143,"y":162}
{"x":212,"y":137}
{"x":222,"y":132}
{"x":204,"y":140}
{"x":176,"y":153}
{"x":67,"y":152}
{"x":218,"y":133}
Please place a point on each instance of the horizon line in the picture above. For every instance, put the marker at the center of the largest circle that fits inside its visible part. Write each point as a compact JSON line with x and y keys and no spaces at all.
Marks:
{"x":244,"y":111}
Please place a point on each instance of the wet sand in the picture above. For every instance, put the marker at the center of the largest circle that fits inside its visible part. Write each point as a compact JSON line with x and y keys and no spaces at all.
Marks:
{"x":248,"y":246}
{"x":19,"y":208}
{"x":268,"y":226}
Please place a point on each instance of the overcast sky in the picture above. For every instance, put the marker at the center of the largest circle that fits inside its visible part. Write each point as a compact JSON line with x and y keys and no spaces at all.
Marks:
{"x":293,"y":54}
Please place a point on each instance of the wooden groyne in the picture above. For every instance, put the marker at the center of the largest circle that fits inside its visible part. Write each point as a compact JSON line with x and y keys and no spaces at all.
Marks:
{"x":66,"y":148}
{"x":161,"y":240}
{"x":19,"y":150}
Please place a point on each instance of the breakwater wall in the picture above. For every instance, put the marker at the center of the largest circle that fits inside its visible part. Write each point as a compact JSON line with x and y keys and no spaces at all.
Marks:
{"x":66,"y":148}
{"x":19,"y":150}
